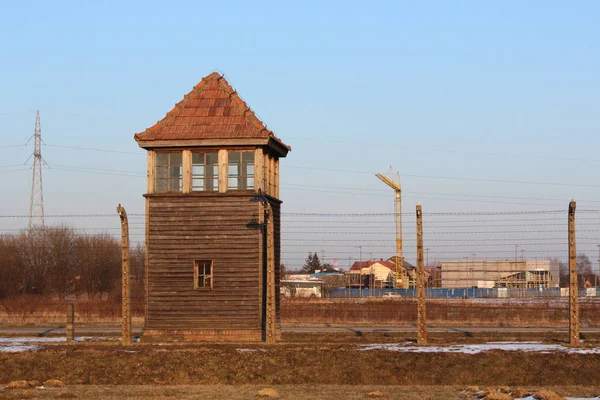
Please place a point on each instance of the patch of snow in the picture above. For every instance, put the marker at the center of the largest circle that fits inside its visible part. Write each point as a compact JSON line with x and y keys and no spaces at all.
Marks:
{"x":33,"y":339}
{"x":568,"y":398}
{"x":20,"y":344}
{"x":479,"y":348}
{"x":18,"y":348}
{"x":249,"y":350}
{"x":95,"y":339}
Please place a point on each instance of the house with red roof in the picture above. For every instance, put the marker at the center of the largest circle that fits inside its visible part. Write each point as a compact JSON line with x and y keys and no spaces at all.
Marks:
{"x":379,"y":272}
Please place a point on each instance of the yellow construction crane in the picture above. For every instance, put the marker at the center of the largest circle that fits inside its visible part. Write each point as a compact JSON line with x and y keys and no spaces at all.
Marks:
{"x":398,"y":189}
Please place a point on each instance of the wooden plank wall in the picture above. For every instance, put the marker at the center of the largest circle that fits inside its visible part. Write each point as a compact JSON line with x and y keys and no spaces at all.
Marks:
{"x":221,"y":228}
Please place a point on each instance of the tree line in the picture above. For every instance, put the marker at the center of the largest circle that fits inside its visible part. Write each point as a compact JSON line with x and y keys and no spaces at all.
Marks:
{"x":585,"y":276}
{"x":61,"y":262}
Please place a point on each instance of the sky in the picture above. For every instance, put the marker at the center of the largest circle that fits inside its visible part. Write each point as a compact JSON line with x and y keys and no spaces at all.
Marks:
{"x":481,"y":106}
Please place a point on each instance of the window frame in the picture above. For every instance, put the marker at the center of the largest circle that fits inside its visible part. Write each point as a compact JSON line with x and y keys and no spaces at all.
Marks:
{"x":241,"y":175}
{"x":169,"y":178}
{"x":202,"y":178}
{"x":198,"y":275}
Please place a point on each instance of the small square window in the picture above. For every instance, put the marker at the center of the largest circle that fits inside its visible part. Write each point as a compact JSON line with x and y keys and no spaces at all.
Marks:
{"x":203,"y":278}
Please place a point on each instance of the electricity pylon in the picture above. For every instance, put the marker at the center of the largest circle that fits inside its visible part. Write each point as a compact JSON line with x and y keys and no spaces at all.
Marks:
{"x":36,"y":206}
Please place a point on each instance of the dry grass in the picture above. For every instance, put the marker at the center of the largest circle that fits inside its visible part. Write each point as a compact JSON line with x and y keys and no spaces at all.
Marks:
{"x":449,"y":312}
{"x":38,"y":310}
{"x":244,"y":392}
{"x":295,"y":364}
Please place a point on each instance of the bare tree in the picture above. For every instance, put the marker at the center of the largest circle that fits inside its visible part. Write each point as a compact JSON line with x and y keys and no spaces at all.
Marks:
{"x":138,"y":273}
{"x":98,"y":264}
{"x":62,"y":272}
{"x":33,"y":252}
{"x":11,"y":271}
{"x":584,"y":265}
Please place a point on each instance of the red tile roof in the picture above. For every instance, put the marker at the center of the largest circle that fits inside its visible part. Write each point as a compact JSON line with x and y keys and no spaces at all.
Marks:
{"x":212,"y":110}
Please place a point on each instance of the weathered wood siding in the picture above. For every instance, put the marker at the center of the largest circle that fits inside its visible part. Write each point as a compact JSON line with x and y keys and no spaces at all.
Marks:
{"x":205,"y":226}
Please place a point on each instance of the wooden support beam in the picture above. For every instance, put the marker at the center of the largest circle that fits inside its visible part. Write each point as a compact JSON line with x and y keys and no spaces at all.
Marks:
{"x":573,"y":283}
{"x":259,"y":166}
{"x":421,"y":316}
{"x":271,"y":327}
{"x":151,"y":174}
{"x":262,"y":243}
{"x":276,"y":177}
{"x":266,"y":174}
{"x":70,"y":322}
{"x":147,"y":256}
{"x":125,"y":278}
{"x":272,"y":176}
{"x":223,"y":178}
{"x":186,"y":171}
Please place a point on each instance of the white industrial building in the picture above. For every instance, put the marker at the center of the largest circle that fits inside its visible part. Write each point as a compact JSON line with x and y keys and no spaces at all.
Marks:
{"x":524,"y":274}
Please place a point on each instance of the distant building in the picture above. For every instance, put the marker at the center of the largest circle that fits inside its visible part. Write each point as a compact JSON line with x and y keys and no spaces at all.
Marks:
{"x":301,"y":288}
{"x":521,"y":274}
{"x":380,"y":273}
{"x":408,"y":273}
{"x":323,"y":274}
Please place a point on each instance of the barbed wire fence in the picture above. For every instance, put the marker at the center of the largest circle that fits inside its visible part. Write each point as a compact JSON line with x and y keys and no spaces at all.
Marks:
{"x":481,"y":265}
{"x":483,"y":268}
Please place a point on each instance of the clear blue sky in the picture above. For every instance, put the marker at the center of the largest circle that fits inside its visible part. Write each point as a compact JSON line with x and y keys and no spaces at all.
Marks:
{"x":505,"y":90}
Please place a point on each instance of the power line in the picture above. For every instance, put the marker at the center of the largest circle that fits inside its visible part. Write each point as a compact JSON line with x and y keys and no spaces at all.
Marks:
{"x":96,"y":149}
{"x":447,"y":177}
{"x":469,"y":153}
{"x":74,"y":216}
{"x":462,"y":213}
{"x":94,"y":170}
{"x":16,"y":169}
{"x":422,"y":197}
{"x":405,"y":192}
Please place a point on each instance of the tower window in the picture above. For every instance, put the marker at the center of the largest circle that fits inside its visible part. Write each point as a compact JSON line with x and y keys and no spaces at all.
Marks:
{"x":203,"y":278}
{"x":241,"y":170}
{"x":168,"y":172}
{"x":205,"y":172}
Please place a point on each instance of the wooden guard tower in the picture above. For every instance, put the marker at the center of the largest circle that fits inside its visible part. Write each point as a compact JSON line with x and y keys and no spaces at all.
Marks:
{"x":212,"y":220}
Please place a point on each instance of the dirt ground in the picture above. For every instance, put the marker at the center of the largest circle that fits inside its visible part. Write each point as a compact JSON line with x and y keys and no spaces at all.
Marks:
{"x":291,"y":392}
{"x":291,"y":364}
{"x":303,"y":366}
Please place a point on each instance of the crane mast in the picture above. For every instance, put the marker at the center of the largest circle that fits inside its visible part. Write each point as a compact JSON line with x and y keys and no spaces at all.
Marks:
{"x":398,"y":214}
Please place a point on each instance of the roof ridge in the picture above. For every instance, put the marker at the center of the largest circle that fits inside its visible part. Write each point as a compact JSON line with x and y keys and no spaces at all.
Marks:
{"x":262,"y":126}
{"x":179,"y":105}
{"x":212,"y":109}
{"x":233,"y":95}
